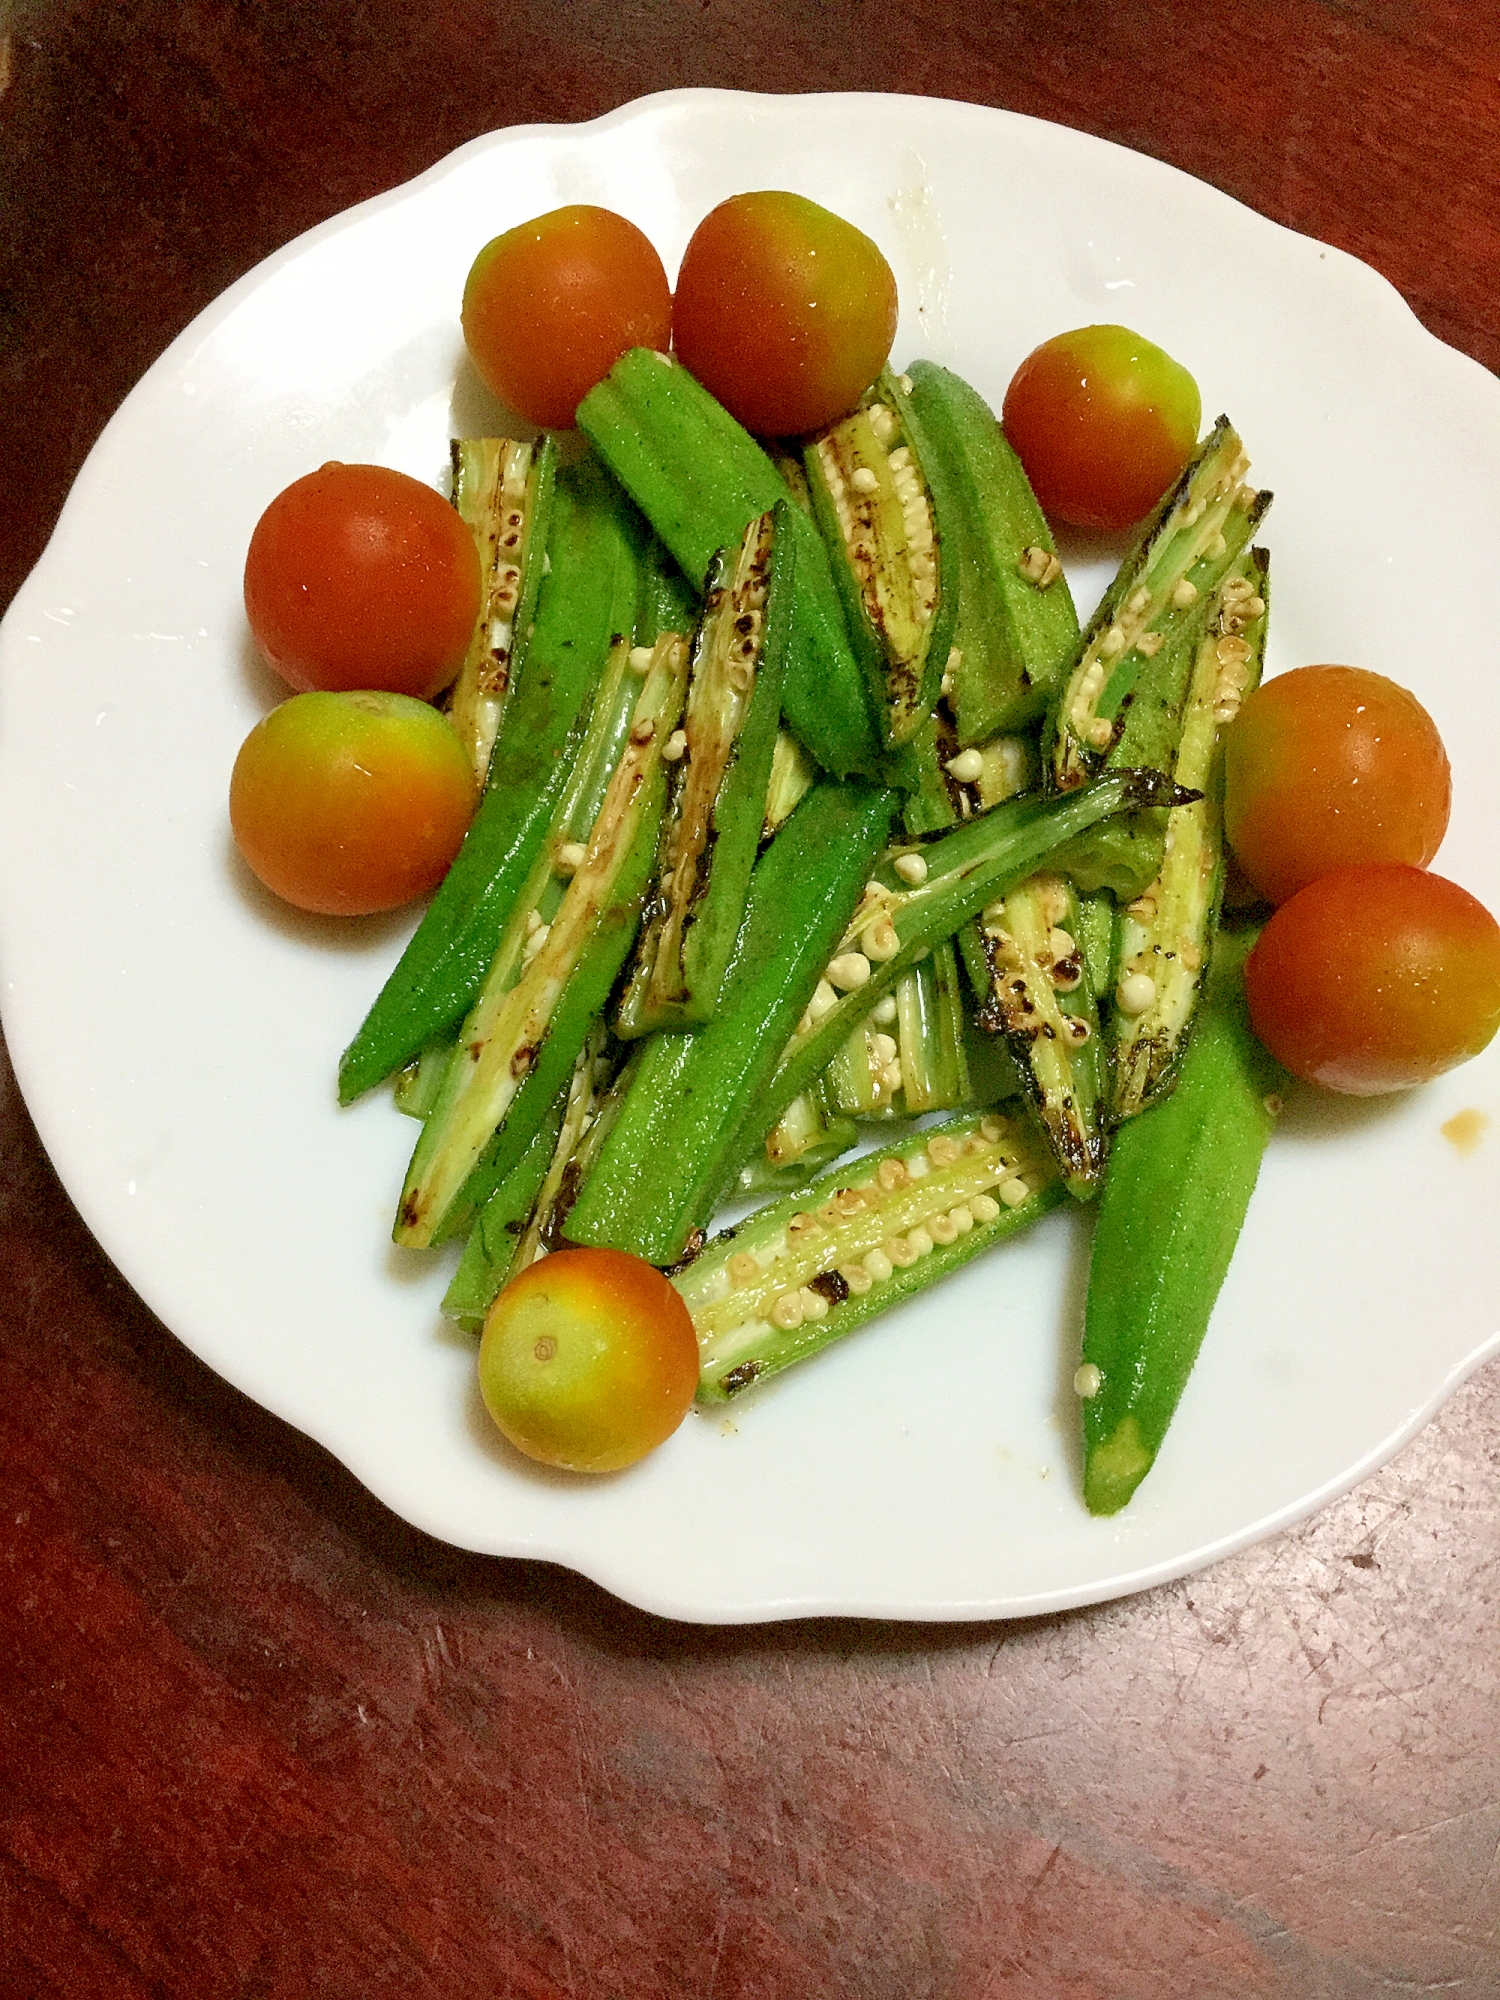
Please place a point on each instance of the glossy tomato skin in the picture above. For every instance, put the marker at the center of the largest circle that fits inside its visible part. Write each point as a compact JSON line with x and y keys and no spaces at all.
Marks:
{"x":1375,"y":978}
{"x":588,"y":1360}
{"x":1104,"y":422}
{"x":1328,"y":766}
{"x":784,"y":311}
{"x":345,"y":804}
{"x":550,"y":306}
{"x":362,"y":577}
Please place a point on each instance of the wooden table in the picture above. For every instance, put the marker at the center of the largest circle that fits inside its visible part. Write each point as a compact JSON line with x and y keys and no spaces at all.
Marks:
{"x":262,"y":1739}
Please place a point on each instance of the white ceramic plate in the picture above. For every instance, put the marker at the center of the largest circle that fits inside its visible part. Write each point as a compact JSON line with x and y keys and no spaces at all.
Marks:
{"x":176,"y":1036}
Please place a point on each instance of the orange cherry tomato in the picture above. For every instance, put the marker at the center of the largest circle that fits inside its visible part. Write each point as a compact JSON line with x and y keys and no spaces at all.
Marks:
{"x":349,"y":803}
{"x":1375,"y":978}
{"x":588,"y":1360}
{"x":1327,"y":766}
{"x":362,"y":577}
{"x":1103,"y":422}
{"x":784,"y":311}
{"x":550,"y":306}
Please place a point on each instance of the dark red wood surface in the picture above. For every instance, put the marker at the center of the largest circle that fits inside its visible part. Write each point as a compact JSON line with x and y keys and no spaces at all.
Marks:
{"x":257,"y":1737}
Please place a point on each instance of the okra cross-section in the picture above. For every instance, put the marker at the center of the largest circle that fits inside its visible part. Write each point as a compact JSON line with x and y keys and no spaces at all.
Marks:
{"x":810,"y":1268}
{"x":719,"y":766}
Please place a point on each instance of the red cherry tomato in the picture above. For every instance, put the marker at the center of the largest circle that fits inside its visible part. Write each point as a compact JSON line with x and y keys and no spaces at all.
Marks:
{"x":550,"y":306}
{"x":1375,"y":978}
{"x":784,"y":311}
{"x":1103,"y":422}
{"x":361,"y":577}
{"x":1327,"y":766}
{"x":588,"y":1360}
{"x":349,"y":803}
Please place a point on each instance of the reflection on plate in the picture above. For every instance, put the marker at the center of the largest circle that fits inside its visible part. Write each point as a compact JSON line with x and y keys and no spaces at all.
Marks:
{"x":176,"y":1038}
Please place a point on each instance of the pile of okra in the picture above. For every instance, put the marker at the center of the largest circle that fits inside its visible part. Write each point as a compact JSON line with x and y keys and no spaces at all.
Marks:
{"x":807,"y":802}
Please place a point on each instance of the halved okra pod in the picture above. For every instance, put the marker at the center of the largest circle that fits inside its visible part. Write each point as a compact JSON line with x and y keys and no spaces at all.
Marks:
{"x":719,"y":768}
{"x":699,"y":477}
{"x":806,"y":1270}
{"x":678,"y":1144}
{"x":1165,"y":935}
{"x":503,"y":489}
{"x":1017,"y":629}
{"x":876,"y":497}
{"x":601,"y":847}
{"x":807,"y":1137}
{"x":595,"y":551}
{"x":1174,"y":1199}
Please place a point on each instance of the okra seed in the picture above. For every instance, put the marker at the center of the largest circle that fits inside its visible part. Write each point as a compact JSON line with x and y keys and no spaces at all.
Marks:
{"x":917,"y":1166}
{"x":1112,"y":644}
{"x":1143,"y":907}
{"x":890,"y":1077}
{"x":1061,"y":943}
{"x":801,"y":1224}
{"x":640,"y":659}
{"x":1184,"y":593}
{"x":945,"y":685}
{"x":1275,"y":1104}
{"x":942,"y":1229}
{"x":787,"y":1311}
{"x":903,"y":382}
{"x":829,"y":1216}
{"x":966,"y":766}
{"x":880,"y":940}
{"x":535,"y":942}
{"x":891,"y":1175}
{"x":814,"y":1305}
{"x":1217,"y":546}
{"x":863,"y":480}
{"x":885,"y":1010}
{"x":883,"y":1047}
{"x":675,"y":747}
{"x":1232,"y":652}
{"x":1139,"y":599}
{"x":642,"y":734}
{"x":961,"y":1217}
{"x":1079,"y":1030}
{"x":941,"y":1151}
{"x":920,"y":1241}
{"x":1087,"y":1381}
{"x":743,"y":1267}
{"x":533,"y":920}
{"x":1013,"y":1192}
{"x":570,"y":858}
{"x":912,"y":868}
{"x":878,"y":1265}
{"x":1150,"y":644}
{"x":824,"y":998}
{"x":984,"y":1206}
{"x":849,"y":1201}
{"x":1099,"y":732}
{"x":901,"y":1252}
{"x":849,"y":971}
{"x":991,"y":1128}
{"x":857,"y":1278}
{"x":1135,"y":993}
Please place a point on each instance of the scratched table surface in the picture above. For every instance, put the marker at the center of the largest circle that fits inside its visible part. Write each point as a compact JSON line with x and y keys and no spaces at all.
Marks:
{"x":260,"y":1738}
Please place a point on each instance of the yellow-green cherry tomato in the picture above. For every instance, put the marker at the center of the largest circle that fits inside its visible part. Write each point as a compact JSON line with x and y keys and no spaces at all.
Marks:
{"x":588,"y":1360}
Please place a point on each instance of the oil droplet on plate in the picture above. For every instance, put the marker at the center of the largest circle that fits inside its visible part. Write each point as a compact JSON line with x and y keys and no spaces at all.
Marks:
{"x":1465,"y":1129}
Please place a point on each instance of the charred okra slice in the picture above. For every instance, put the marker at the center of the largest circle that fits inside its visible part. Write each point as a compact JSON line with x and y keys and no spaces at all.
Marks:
{"x":589,"y":595}
{"x":719,"y":768}
{"x":699,"y":477}
{"x":681,"y":1137}
{"x":1017,"y":629}
{"x":491,"y":1244}
{"x":807,"y":1137}
{"x":910,"y":1054}
{"x":875,"y":496}
{"x":1041,"y":999}
{"x":1166,"y":934}
{"x":503,"y":489}
{"x":1180,"y":556}
{"x":514,"y":1024}
{"x":802,"y":1272}
{"x":1179,"y":1182}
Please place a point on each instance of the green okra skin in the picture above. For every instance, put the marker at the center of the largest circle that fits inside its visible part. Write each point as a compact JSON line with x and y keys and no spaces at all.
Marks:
{"x":699,"y":477}
{"x":1165,"y":935}
{"x":1041,"y":999}
{"x":1098,"y":918}
{"x":719,"y":770}
{"x":529,"y":1018}
{"x":801,"y":1273}
{"x":419,"y":1081}
{"x":491,"y":1245}
{"x":879,"y":499}
{"x":896,"y":925}
{"x":1174,"y":1200}
{"x":681,"y":1137}
{"x":1017,"y":628}
{"x":594,"y":548}
{"x":503,"y":488}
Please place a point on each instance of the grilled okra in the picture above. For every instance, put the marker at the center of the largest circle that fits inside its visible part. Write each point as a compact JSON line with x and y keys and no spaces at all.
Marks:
{"x":503,"y":489}
{"x":1017,"y":629}
{"x":910,"y":1053}
{"x":799,"y":1274}
{"x":699,"y":478}
{"x":1179,"y":1182}
{"x":875,"y":496}
{"x":595,"y":550}
{"x":807,"y":1137}
{"x":719,"y":769}
{"x":1166,"y":933}
{"x":601,"y":849}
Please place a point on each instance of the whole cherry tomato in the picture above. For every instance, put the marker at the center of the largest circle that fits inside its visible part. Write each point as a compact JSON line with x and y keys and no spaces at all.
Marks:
{"x":1374,"y":978}
{"x":362,"y":577}
{"x":784,"y":311}
{"x":588,"y":1360}
{"x":349,"y":803}
{"x":1103,"y":422}
{"x":1326,"y":766}
{"x":550,"y":306}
